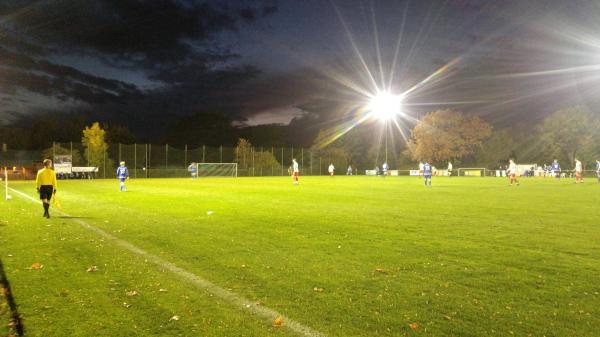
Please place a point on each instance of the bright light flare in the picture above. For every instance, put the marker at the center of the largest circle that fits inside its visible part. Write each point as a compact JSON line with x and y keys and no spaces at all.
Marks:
{"x":385,"y":106}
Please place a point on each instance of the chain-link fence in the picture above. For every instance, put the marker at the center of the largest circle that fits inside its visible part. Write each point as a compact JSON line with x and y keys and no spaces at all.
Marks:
{"x":161,"y":161}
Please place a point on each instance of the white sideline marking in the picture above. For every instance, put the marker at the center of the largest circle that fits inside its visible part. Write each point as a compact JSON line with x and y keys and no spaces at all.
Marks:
{"x":202,"y":283}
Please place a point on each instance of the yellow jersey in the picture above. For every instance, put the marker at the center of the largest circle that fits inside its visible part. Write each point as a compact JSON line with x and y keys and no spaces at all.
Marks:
{"x":46,"y":176}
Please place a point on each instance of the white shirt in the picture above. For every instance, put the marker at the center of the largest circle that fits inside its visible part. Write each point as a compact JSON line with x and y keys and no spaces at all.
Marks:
{"x":295,"y":166}
{"x":512,"y":168}
{"x":449,"y":166}
{"x":331,"y":168}
{"x":578,"y":166}
{"x":421,"y":165}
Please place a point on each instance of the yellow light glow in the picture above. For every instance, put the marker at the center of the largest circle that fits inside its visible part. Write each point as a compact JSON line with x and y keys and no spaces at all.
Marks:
{"x":385,"y":106}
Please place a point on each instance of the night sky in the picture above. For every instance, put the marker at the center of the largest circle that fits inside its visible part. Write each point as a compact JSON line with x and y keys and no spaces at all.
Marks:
{"x":144,"y":63}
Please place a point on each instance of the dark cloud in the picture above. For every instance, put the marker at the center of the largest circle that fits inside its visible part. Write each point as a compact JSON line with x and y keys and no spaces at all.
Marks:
{"x":21,"y":72}
{"x":147,"y":33}
{"x":171,"y":42}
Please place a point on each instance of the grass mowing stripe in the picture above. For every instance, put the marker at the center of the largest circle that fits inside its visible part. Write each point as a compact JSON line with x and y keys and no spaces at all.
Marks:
{"x":228,"y":296}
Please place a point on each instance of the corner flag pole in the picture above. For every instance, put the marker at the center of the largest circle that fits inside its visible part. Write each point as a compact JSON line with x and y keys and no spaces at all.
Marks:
{"x":6,"y":184}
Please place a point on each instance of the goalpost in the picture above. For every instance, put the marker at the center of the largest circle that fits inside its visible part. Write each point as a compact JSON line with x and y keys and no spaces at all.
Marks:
{"x":217,"y":169}
{"x":472,"y":172}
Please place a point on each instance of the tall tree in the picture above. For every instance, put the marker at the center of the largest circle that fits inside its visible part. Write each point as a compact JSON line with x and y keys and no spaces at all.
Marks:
{"x":496,"y":150}
{"x":116,"y":133}
{"x":447,"y":135}
{"x":94,"y":142}
{"x":570,"y":133}
{"x":254,"y":162}
{"x":336,"y":152}
{"x":243,"y":153}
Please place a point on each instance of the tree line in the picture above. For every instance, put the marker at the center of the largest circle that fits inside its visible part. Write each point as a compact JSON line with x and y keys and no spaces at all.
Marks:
{"x":444,"y":136}
{"x":438,"y":137}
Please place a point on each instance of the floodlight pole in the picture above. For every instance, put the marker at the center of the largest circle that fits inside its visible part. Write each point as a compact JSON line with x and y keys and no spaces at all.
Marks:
{"x":386,"y":141}
{"x":134,"y":160}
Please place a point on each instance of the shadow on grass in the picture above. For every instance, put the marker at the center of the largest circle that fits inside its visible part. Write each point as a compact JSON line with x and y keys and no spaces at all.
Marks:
{"x":15,"y":319}
{"x":73,"y":217}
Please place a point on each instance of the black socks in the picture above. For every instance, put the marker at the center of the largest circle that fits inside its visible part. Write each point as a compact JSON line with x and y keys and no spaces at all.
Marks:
{"x":46,"y":206}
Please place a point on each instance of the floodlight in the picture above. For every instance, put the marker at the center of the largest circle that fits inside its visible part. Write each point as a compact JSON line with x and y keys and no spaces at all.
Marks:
{"x":385,"y":106}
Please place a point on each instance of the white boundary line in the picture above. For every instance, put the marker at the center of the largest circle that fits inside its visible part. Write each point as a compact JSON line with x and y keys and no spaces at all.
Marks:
{"x":200,"y":282}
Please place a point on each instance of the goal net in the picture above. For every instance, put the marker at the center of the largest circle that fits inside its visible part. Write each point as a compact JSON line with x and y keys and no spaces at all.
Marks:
{"x":471,"y":172}
{"x":217,"y":169}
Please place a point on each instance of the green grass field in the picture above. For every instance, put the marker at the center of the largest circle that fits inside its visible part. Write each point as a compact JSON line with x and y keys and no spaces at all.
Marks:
{"x":344,"y":256}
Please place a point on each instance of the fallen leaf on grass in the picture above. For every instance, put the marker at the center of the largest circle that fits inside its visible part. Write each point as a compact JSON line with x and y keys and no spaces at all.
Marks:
{"x":126,"y":305}
{"x":414,"y":325}
{"x":162,"y":290}
{"x":174,"y":318}
{"x":92,"y":269}
{"x":380,"y":270}
{"x":278,"y":322}
{"x":132,"y":293}
{"x":36,"y":266}
{"x":319,"y":290}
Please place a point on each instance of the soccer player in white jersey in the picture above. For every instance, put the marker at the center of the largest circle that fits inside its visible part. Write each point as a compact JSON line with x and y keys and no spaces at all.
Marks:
{"x":512,"y":172}
{"x":449,"y":169}
{"x":421,"y":165}
{"x":295,"y":171}
{"x":598,"y":169}
{"x":578,"y":171}
{"x":331,"y":169}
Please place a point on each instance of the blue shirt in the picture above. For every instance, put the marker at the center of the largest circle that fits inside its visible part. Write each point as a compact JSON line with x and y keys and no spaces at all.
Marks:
{"x":427,"y":169}
{"x":122,"y":172}
{"x":192,"y":168}
{"x":556,"y":166}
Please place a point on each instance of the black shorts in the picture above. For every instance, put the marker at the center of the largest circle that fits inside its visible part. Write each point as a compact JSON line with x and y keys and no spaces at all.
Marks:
{"x":46,"y":191}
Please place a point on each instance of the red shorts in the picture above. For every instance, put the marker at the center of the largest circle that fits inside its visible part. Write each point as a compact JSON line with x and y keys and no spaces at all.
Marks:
{"x":296,"y":174}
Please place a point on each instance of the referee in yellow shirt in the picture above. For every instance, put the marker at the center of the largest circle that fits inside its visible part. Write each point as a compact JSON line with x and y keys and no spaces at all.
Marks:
{"x":46,"y":185}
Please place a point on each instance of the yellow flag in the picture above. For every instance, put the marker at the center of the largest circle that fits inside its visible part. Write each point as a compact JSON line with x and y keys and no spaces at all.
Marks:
{"x":57,"y":203}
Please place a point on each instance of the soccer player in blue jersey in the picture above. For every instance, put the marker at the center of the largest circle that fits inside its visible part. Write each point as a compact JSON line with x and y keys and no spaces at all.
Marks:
{"x":193,"y":169}
{"x":427,"y":170}
{"x":122,"y":174}
{"x":556,"y":169}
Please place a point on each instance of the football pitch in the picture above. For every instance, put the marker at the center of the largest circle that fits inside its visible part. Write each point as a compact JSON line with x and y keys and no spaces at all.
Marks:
{"x":342,"y":256}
